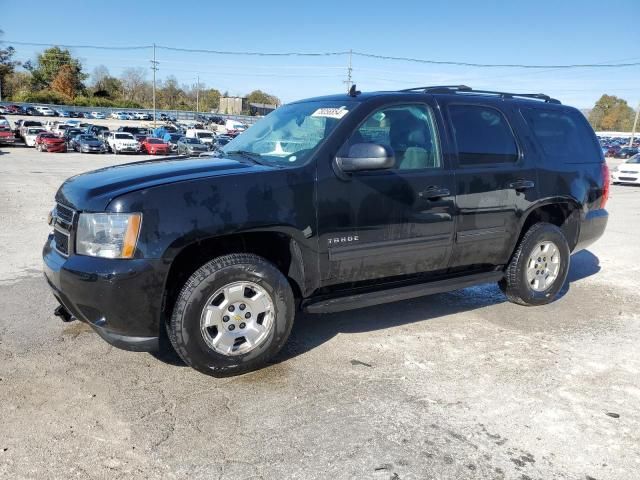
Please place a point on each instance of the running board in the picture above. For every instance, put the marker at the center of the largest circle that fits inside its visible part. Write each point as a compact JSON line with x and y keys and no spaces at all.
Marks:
{"x":351,"y":302}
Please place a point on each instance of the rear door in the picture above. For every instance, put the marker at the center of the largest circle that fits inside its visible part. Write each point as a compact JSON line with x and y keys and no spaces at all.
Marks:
{"x":496,"y":181}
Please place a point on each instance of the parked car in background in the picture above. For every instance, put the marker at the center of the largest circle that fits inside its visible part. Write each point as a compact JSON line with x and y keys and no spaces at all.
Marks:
{"x":70,"y":134}
{"x":155,"y":146}
{"x":86,"y":143}
{"x":31,"y":111}
{"x":64,"y":113}
{"x":139,"y":133}
{"x":50,"y":124}
{"x":30,"y":135}
{"x":627,"y":152}
{"x":221,"y":141}
{"x":97,"y":115}
{"x":122,"y":142}
{"x":7,"y":137}
{"x":628,"y":171}
{"x":48,"y":142}
{"x":3,"y":110}
{"x":95,"y":129}
{"x":191,"y":146}
{"x":45,"y":111}
{"x":205,"y":136}
{"x":234,"y":127}
{"x":25,"y":124}
{"x":612,"y":150}
{"x":59,"y":129}
{"x":172,"y":140}
{"x":14,"y":109}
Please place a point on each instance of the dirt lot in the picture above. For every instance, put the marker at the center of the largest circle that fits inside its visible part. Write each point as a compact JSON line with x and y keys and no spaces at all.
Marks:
{"x":452,"y":386}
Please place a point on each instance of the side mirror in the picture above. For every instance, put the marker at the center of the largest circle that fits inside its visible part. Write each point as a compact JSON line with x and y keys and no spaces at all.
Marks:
{"x":367,"y":156}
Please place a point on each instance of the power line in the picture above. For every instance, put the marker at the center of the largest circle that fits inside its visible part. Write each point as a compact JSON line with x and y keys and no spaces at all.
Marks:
{"x":337,"y":53}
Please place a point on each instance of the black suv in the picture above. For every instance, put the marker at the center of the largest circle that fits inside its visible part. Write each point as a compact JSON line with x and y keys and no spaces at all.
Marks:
{"x":328,"y":204}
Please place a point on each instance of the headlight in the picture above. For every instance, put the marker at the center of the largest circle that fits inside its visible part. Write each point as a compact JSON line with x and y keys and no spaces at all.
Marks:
{"x":108,"y":235}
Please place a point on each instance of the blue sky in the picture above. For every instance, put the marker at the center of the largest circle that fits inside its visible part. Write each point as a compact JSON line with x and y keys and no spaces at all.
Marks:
{"x":534,"y":32}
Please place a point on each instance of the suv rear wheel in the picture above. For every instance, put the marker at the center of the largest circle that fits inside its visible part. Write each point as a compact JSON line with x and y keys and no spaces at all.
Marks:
{"x":233,"y":314}
{"x":538,"y":268}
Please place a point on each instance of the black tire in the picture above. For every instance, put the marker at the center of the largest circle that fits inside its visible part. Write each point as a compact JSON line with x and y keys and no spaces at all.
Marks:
{"x":184,"y":327}
{"x":515,"y":285}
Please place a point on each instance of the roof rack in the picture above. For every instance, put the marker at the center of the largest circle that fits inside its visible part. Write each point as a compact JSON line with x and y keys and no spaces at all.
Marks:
{"x":468,"y":90}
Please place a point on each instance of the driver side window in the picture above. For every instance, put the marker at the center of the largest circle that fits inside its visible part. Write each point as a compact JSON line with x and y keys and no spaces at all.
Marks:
{"x":409,"y":130}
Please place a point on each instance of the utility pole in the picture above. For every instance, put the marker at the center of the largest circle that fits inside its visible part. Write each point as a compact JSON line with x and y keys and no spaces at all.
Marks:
{"x":154,"y":67}
{"x":635,"y":126}
{"x":198,"y":94}
{"x":0,"y":89}
{"x":349,"y":71}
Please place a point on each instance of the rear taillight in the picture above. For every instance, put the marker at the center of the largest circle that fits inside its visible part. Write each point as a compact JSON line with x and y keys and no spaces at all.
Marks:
{"x":606,"y":179}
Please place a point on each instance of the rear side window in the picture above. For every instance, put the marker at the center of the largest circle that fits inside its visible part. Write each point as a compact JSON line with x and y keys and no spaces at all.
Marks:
{"x":564,"y":135}
{"x":482,"y":135}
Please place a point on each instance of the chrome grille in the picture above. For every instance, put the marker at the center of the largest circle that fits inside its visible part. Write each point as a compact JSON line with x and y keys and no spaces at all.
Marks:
{"x":62,"y":228}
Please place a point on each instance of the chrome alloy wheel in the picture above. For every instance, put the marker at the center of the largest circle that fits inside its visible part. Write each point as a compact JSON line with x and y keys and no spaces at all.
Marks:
{"x":237,"y":318}
{"x":543,"y":266}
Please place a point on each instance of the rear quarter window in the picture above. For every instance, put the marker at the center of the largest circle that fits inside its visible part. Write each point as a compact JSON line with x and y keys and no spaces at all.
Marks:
{"x":564,"y":135}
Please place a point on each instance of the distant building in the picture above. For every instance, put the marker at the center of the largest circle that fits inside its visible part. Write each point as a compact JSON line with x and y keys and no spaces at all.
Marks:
{"x":233,"y":105}
{"x":261,"y":108}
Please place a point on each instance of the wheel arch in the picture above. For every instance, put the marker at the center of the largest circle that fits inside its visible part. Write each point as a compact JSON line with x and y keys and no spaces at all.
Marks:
{"x":562,"y":212}
{"x":280,"y":248}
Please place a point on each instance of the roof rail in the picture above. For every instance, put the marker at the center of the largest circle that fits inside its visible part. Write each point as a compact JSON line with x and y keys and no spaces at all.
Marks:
{"x":468,"y":90}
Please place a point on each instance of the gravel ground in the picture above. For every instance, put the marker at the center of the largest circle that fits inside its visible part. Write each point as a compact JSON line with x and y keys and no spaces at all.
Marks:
{"x":460,"y":385}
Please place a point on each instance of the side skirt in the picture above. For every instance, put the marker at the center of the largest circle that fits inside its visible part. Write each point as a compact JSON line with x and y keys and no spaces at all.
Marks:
{"x":377,"y":297}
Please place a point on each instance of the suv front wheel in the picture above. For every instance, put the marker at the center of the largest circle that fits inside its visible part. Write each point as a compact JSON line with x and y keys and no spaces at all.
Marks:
{"x":233,"y":315}
{"x":539,"y":266}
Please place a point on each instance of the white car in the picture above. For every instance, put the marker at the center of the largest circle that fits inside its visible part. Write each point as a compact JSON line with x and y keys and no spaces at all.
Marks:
{"x":98,"y":115}
{"x":628,"y":171}
{"x":59,"y":129}
{"x":31,"y":134}
{"x":50,"y":124}
{"x":45,"y":111}
{"x":121,"y":142}
{"x":205,"y":136}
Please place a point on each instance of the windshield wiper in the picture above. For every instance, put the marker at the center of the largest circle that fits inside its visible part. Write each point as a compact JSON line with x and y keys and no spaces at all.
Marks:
{"x":253,"y":156}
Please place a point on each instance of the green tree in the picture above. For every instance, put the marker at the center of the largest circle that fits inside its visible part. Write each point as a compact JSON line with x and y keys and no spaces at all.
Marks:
{"x":209,"y":99}
{"x":170,"y":94}
{"x":258,"y":96}
{"x":48,"y":65}
{"x":611,"y":113}
{"x":7,"y":65}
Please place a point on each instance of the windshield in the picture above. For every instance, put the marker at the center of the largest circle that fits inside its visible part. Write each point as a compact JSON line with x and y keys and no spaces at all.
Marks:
{"x":205,"y":135}
{"x":87,"y":138}
{"x":154,"y":140}
{"x":124,"y":136}
{"x":634,"y":159}
{"x":292,"y":133}
{"x":190,"y":140}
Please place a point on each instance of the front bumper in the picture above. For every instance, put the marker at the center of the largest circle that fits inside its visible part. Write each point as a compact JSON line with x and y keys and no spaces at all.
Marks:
{"x":591,"y":228}
{"x":625,"y":177}
{"x":55,"y":148}
{"x":120,"y":299}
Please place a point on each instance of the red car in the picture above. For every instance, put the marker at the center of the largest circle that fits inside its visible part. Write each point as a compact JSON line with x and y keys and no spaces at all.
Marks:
{"x":48,"y":142}
{"x":155,"y":146}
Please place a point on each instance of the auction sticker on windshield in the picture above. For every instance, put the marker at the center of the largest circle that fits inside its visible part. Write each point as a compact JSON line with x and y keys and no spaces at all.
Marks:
{"x":326,"y":112}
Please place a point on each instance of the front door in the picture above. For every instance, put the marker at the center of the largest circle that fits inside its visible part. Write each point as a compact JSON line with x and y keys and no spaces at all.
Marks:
{"x":389,"y":222}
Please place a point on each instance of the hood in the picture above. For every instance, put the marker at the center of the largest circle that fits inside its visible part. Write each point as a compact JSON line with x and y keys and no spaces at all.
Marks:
{"x":92,"y":143}
{"x":197,"y":147}
{"x":94,"y":190}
